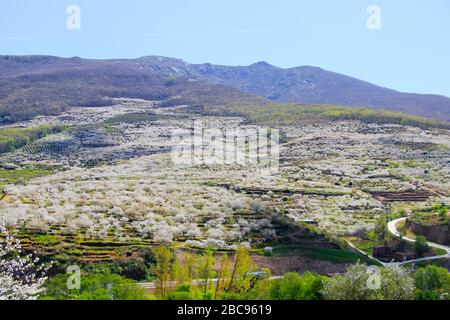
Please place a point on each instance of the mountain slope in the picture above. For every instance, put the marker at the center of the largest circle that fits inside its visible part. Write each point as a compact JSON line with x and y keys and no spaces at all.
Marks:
{"x":32,"y":85}
{"x":41,"y":85}
{"x":312,"y":85}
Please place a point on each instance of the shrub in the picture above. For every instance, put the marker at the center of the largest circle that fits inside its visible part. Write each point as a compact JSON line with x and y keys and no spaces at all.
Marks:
{"x":99,"y":286}
{"x":432,"y":283}
{"x":360,"y":283}
{"x":421,"y":245}
{"x":182,"y":292}
{"x":297,"y":287}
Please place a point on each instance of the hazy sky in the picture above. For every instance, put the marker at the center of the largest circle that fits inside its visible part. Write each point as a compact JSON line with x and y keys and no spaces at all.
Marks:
{"x":411,"y":51}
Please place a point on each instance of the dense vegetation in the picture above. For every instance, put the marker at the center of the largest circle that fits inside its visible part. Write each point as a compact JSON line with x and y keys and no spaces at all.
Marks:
{"x":33,"y":85}
{"x":434,"y":215}
{"x":368,"y":240}
{"x":96,"y":286}
{"x":197,"y":277}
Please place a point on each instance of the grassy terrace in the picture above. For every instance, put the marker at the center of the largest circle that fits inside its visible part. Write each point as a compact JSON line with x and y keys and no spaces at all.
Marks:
{"x":438,"y":214}
{"x":325,"y":254}
{"x":14,"y":138}
{"x":62,"y":247}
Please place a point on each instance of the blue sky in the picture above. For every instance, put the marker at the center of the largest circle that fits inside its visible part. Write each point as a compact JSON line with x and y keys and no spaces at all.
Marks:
{"x":410,"y":53}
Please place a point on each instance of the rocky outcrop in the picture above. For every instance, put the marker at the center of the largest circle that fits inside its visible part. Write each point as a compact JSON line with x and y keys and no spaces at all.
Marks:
{"x":436,"y":233}
{"x":381,"y":251}
{"x":398,"y":253}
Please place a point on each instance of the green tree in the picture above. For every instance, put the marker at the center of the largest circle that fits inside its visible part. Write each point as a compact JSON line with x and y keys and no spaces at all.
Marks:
{"x":421,"y":245}
{"x":359,"y":283}
{"x":56,"y":288}
{"x":381,"y":229}
{"x":163,"y":269}
{"x":182,"y":292}
{"x":350,"y":286}
{"x":396,"y":284}
{"x":443,"y":212}
{"x":185,"y":270}
{"x":240,"y":279}
{"x":436,"y":207}
{"x":297,"y":287}
{"x":99,"y":286}
{"x":223,"y":274}
{"x":432,"y":283}
{"x":205,"y":269}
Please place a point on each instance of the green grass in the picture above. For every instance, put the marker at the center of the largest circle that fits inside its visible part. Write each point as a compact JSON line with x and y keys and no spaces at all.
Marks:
{"x":325,"y":254}
{"x":46,"y":239}
{"x":367,"y":246}
{"x":438,"y":214}
{"x":293,"y":114}
{"x":438,"y":251}
{"x":13,"y":176}
{"x":14,"y":138}
{"x":332,"y":255}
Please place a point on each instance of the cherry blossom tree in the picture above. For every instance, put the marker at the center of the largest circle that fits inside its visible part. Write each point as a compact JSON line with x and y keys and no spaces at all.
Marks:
{"x":21,"y":276}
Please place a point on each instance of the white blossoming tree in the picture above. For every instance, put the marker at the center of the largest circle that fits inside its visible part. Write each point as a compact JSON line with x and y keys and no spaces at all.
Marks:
{"x":21,"y":276}
{"x":359,"y":283}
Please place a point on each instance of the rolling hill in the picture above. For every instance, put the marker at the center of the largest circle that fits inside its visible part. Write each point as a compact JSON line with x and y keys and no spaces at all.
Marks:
{"x":42,"y":85}
{"x":34,"y":85}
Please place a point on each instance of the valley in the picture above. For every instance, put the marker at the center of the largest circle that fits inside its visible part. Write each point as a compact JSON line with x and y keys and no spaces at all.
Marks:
{"x":224,"y":158}
{"x":108,"y":188}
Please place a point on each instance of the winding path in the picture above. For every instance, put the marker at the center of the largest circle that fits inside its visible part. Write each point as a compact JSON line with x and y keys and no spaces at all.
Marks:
{"x":392,"y":227}
{"x":365,"y":254}
{"x":173,"y":284}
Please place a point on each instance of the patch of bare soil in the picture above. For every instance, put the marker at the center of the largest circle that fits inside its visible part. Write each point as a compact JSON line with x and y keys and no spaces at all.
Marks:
{"x":413,"y":196}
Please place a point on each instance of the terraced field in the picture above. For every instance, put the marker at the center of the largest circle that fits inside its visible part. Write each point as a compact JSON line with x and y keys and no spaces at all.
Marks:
{"x":111,"y":189}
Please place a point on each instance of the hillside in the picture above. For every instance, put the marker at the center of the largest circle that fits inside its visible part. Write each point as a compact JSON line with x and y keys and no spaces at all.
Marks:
{"x":36,"y":85}
{"x":297,"y":114}
{"x":312,"y":85}
{"x":41,"y":85}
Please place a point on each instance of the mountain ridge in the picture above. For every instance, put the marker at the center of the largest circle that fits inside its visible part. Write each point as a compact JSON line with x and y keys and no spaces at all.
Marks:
{"x":314,"y":85}
{"x":176,"y":80}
